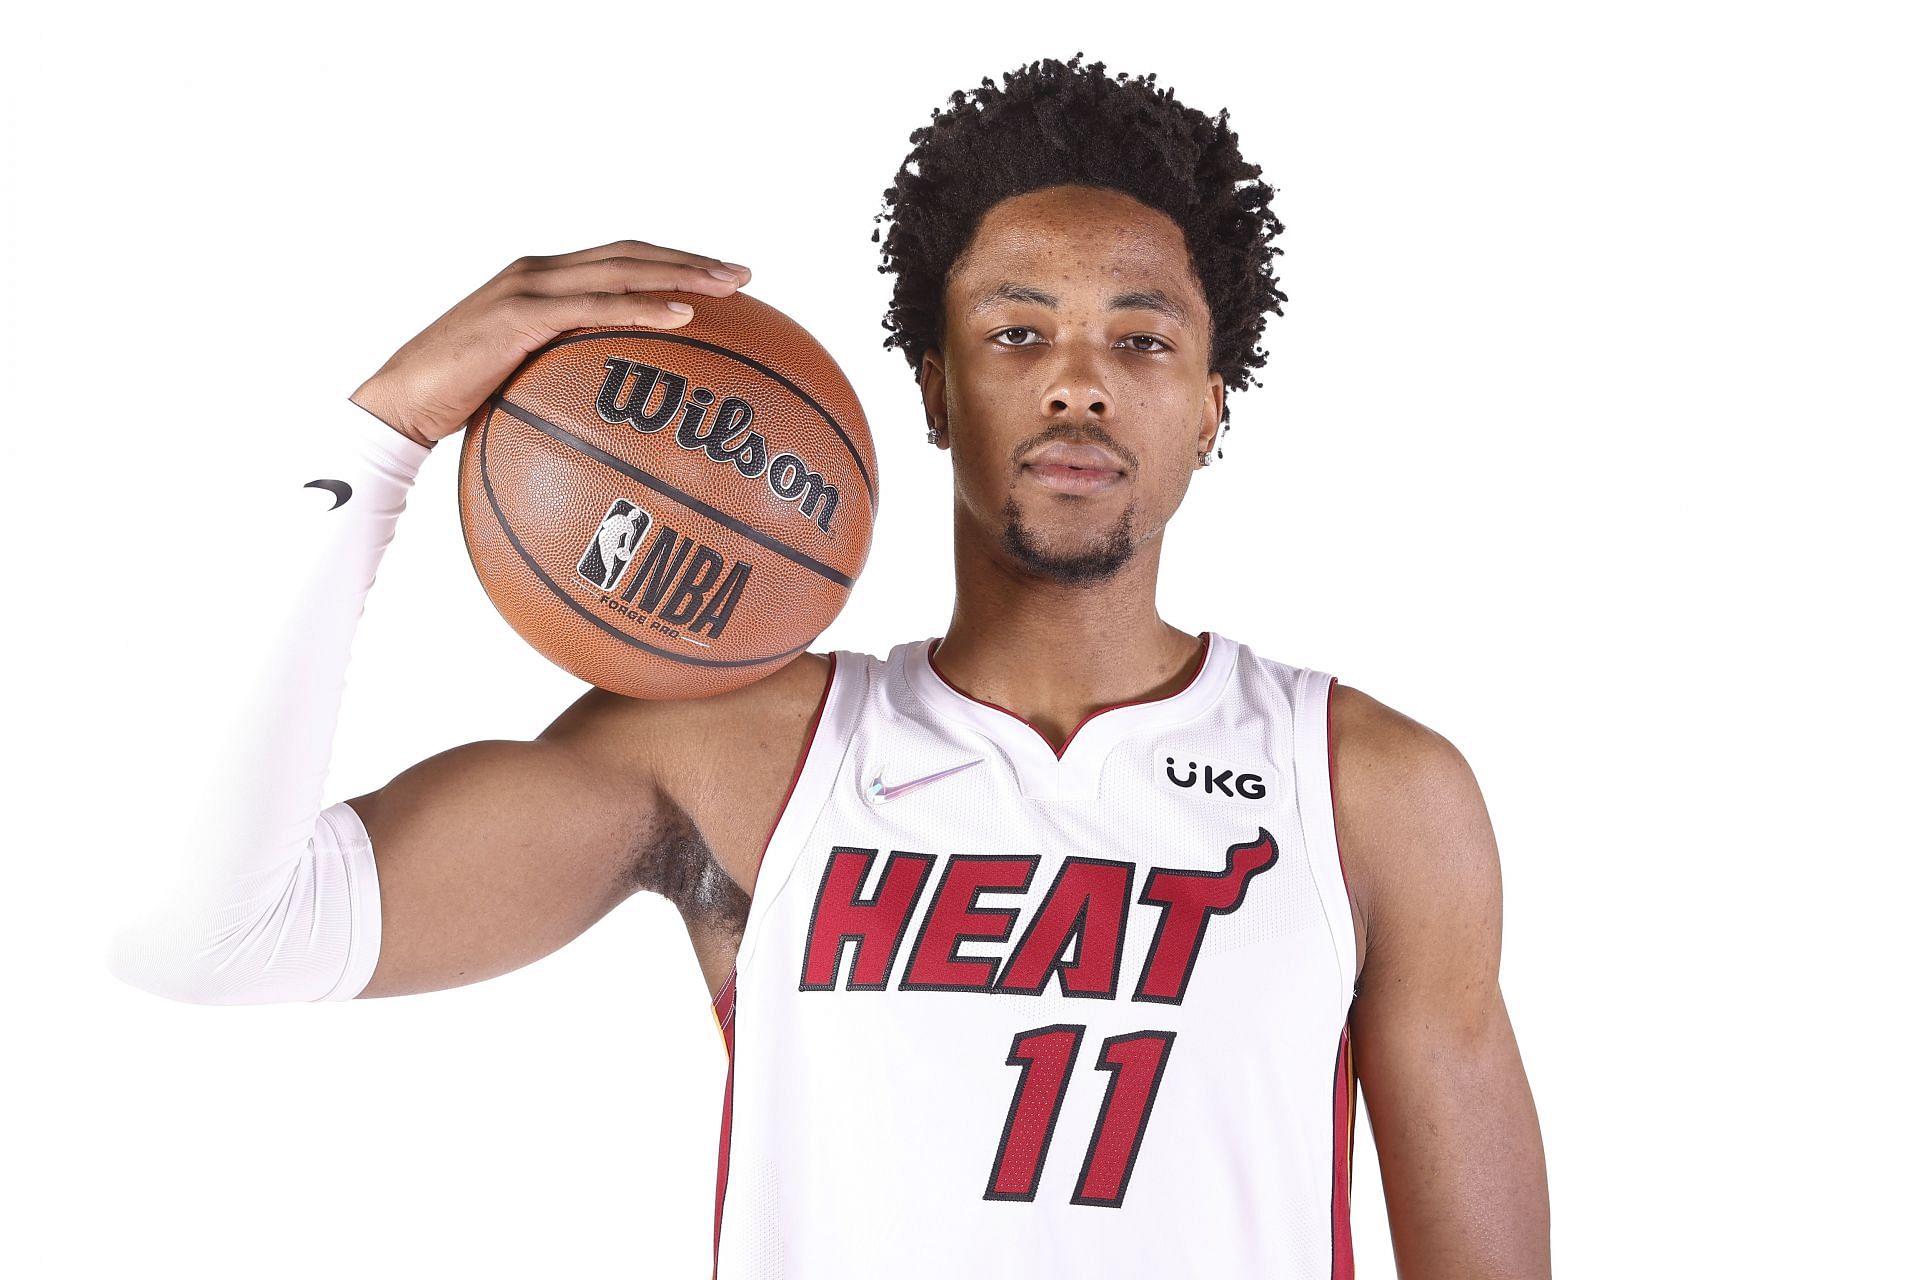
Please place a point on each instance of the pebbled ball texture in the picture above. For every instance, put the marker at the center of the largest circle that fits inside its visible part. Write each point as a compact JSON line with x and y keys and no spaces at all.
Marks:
{"x":731,"y":525}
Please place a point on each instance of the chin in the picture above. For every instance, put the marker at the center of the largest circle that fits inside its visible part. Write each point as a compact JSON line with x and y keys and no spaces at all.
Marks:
{"x":1073,"y":559}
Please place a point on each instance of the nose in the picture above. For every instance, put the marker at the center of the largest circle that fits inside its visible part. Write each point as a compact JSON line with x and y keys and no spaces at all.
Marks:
{"x":1077,"y":392}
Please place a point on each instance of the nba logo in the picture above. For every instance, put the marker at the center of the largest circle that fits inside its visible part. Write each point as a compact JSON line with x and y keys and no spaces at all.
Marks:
{"x":612,"y":545}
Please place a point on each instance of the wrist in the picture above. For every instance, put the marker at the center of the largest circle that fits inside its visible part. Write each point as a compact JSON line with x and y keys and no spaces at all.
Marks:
{"x":384,"y":447}
{"x":370,"y":401}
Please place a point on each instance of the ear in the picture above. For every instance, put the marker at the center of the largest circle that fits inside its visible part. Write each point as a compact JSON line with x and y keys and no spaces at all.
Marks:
{"x":933,"y":394}
{"x":1212,"y":407}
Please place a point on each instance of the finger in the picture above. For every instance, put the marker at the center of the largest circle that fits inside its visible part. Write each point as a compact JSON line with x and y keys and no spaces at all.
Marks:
{"x":632,"y":249}
{"x":560,"y":314}
{"x":626,"y":275}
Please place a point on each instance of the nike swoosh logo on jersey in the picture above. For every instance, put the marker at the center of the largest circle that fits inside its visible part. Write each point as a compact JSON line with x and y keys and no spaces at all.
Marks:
{"x":881,"y":793}
{"x":340,"y":490}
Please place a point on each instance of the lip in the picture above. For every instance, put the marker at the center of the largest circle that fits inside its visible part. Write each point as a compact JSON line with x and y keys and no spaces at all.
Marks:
{"x":1065,"y":479}
{"x":1086,"y":457}
{"x":1074,"y":468}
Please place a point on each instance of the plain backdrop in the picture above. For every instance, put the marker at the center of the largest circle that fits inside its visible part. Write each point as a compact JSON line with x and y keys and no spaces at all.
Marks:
{"x":1587,"y":439}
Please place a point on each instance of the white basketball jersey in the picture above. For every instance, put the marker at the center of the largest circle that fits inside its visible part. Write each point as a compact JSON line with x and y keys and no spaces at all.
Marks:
{"x":999,"y":1011}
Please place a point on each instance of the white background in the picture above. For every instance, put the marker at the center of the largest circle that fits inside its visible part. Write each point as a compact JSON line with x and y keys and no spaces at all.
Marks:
{"x":1587,"y":439}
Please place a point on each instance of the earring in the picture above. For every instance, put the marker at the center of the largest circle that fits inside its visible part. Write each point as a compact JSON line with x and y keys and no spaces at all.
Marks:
{"x":933,"y":434}
{"x":1206,"y":459}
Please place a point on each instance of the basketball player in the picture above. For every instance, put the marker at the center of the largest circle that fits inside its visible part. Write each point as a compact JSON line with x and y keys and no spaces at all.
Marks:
{"x":1051,"y":946}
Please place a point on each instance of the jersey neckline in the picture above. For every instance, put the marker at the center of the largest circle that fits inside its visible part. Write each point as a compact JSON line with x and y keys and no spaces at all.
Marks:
{"x":1042,"y":770}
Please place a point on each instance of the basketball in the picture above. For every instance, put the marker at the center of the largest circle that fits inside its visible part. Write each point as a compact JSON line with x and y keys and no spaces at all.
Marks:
{"x":671,"y":513}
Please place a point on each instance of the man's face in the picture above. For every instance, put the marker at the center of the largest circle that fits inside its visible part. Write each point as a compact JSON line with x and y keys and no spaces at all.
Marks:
{"x":1073,"y":325}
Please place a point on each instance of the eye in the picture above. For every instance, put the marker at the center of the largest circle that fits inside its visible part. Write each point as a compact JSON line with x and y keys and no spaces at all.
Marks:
{"x":1146,"y":337}
{"x":1015,"y":329}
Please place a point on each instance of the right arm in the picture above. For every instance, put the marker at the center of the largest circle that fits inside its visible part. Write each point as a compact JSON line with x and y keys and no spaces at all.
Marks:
{"x":494,"y":854}
{"x":489,"y":855}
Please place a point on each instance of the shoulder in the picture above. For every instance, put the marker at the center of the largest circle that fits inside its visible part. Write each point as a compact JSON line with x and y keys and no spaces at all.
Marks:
{"x":722,"y":765}
{"x":1384,"y":745}
{"x":666,"y":738}
{"x":1410,"y":820}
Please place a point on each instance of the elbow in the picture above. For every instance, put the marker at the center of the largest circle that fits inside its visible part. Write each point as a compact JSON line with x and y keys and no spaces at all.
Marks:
{"x":146,"y":953}
{"x":265,"y":954}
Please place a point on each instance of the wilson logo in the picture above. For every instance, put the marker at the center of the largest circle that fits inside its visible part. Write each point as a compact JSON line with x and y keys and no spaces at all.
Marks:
{"x":724,"y":432}
{"x":1247,"y":786}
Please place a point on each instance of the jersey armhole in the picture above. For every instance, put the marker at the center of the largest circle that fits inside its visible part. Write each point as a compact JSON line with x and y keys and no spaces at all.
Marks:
{"x":814,"y":773}
{"x":1313,"y":775}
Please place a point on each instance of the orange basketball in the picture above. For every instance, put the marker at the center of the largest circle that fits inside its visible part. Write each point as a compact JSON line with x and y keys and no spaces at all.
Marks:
{"x":672,"y":513}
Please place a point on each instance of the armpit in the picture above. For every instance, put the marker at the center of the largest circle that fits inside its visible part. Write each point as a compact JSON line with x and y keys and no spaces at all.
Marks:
{"x":673,"y":860}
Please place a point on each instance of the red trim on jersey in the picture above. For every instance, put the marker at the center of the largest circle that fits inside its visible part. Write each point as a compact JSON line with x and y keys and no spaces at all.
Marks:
{"x":723,"y":1014}
{"x":1343,"y":1104}
{"x":723,"y":1008}
{"x":1344,"y":1097}
{"x":1206,"y":643}
{"x":723,"y":1003}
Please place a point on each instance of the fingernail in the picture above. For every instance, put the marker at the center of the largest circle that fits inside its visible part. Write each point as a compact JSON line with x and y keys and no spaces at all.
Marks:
{"x":742,"y":270}
{"x":717,"y":274}
{"x":680,"y":307}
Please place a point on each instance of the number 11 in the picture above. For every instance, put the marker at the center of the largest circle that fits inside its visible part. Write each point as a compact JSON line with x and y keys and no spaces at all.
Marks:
{"x":1045,"y":1056}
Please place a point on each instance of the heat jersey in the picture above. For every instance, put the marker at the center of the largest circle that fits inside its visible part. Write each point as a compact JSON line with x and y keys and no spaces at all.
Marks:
{"x":1005,"y":1011}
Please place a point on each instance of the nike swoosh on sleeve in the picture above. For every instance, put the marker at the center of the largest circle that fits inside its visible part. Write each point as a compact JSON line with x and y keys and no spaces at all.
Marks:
{"x":340,"y":490}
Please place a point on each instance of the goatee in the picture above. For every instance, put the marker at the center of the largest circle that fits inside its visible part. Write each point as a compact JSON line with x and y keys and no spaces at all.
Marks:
{"x":1093,"y":564}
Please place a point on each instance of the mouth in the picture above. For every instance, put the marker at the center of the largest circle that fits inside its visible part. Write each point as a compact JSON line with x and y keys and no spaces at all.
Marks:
{"x":1077,"y":468}
{"x":1070,"y":479}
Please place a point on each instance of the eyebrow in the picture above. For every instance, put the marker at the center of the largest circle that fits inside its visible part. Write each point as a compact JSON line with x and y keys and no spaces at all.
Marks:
{"x":1134,"y":300}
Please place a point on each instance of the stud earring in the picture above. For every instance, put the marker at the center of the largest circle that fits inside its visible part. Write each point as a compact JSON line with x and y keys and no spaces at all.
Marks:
{"x":933,"y":434}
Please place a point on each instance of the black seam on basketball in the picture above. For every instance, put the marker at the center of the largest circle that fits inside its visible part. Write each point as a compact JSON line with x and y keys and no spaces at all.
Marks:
{"x":687,"y":500}
{"x":749,"y":361}
{"x":486,"y":483}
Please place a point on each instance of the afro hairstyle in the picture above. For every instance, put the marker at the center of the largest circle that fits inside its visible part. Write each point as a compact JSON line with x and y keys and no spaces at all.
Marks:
{"x":1053,"y":123}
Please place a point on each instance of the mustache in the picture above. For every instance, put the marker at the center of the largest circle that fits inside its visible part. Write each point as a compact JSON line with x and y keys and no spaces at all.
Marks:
{"x":1075,"y":433}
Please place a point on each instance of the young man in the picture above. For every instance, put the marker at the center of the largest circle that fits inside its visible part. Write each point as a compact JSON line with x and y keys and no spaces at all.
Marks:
{"x":1220,"y":886}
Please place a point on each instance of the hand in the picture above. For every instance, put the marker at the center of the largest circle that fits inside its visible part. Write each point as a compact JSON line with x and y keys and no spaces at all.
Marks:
{"x":439,"y":381}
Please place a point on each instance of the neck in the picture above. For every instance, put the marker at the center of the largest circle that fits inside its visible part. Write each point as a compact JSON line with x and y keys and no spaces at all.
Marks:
{"x":1054,"y":653}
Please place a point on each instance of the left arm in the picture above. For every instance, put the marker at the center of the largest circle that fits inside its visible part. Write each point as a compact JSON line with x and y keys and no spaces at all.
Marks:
{"x":1461,"y":1159}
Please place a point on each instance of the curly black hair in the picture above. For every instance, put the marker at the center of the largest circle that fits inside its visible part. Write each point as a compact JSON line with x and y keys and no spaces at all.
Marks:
{"x":1059,"y":122}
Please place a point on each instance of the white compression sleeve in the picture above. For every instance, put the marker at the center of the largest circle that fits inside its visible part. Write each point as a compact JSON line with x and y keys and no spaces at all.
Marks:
{"x":276,"y":900}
